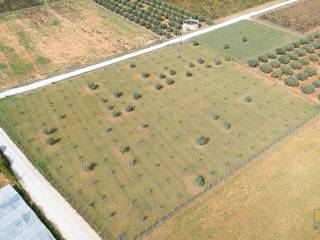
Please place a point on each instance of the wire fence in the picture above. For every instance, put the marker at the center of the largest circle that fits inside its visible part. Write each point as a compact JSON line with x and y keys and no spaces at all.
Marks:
{"x":170,"y":214}
{"x":213,"y":184}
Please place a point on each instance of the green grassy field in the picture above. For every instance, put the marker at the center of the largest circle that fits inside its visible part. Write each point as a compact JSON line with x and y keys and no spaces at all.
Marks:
{"x":259,"y":38}
{"x":120,"y":195}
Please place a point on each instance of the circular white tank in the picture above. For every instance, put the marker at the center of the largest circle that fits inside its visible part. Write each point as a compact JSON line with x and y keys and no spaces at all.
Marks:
{"x":190,"y":25}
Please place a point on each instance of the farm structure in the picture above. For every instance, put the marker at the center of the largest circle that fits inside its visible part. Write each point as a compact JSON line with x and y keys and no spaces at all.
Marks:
{"x":133,"y":155}
{"x":190,"y":25}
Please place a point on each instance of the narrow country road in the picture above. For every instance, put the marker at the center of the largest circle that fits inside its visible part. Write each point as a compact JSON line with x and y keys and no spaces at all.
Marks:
{"x":71,"y":225}
{"x":80,"y":71}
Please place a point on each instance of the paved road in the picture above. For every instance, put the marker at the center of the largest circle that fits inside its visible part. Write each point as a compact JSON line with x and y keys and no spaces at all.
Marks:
{"x":71,"y":225}
{"x":57,"y":209}
{"x":137,"y":53}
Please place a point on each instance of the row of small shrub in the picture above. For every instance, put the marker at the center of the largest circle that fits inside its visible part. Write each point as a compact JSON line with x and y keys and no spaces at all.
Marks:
{"x":152,"y":15}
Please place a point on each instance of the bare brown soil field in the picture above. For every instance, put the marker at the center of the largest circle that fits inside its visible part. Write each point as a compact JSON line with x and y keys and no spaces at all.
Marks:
{"x":273,"y":197}
{"x":302,"y":17}
{"x":64,"y":35}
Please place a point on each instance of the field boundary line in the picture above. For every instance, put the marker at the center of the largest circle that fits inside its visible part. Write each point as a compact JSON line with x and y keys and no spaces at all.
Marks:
{"x":216,"y":182}
{"x":55,"y":207}
{"x":182,"y":38}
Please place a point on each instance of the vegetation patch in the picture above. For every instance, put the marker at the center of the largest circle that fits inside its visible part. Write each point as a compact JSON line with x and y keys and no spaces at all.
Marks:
{"x":229,"y":40}
{"x":301,"y":17}
{"x":123,"y":170}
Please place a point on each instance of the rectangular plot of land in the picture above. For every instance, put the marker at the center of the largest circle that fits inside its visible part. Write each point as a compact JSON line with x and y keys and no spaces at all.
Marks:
{"x":123,"y":143}
{"x":246,"y":39}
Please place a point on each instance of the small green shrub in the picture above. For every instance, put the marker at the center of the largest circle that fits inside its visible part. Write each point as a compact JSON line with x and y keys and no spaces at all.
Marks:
{"x":88,"y":167}
{"x":244,"y":39}
{"x":275,"y":63}
{"x":307,"y":89}
{"x":170,"y":81}
{"x":253,"y":63}
{"x":191,"y":65}
{"x":199,"y":181}
{"x":226,"y":46}
{"x":158,"y":86}
{"x":310,"y":71}
{"x":92,"y":86}
{"x":276,"y":74}
{"x":302,"y":76}
{"x":132,"y":65}
{"x":227,"y":125}
{"x":124,"y":149}
{"x":280,"y":51}
{"x":304,"y":41}
{"x":271,"y":55}
{"x":172,"y":72}
{"x":300,"y":52}
{"x":296,"y":44}
{"x":136,"y":95}
{"x":316,"y":83}
{"x":310,"y":49}
{"x":145,"y":74}
{"x":132,"y":162}
{"x":289,"y":47}
{"x":266,"y":68}
{"x":49,"y":130}
{"x":202,"y":140}
{"x":129,"y":108}
{"x":162,"y":76}
{"x":293,"y":56}
{"x":227,"y":58}
{"x":291,"y":81}
{"x":117,"y":93}
{"x":286,"y":70}
{"x":215,"y":116}
{"x":304,"y":61}
{"x":314,"y":58}
{"x":284,"y":59}
{"x":208,"y":65}
{"x":189,"y":74}
{"x":217,"y":62}
{"x":296,"y":65}
{"x":116,"y":114}
{"x":247,"y":99}
{"x":195,"y":43}
{"x":263,"y":58}
{"x":200,"y":61}
{"x":52,"y":140}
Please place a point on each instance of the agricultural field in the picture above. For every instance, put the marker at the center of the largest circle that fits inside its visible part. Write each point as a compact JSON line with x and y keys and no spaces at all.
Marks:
{"x":243,"y":40}
{"x":216,"y":9}
{"x":296,"y":65}
{"x":128,"y":143}
{"x":272,"y":197}
{"x":302,"y":17}
{"x":62,"y":35}
{"x":161,"y":18}
{"x":14,"y":5}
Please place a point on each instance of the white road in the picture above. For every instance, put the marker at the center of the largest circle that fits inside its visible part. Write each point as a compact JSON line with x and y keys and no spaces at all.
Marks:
{"x":71,"y":225}
{"x":58,"y":78}
{"x":56,"y":208}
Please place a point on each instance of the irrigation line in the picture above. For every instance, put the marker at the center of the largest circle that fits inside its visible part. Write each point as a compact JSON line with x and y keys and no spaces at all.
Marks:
{"x":214,"y":183}
{"x":182,"y":38}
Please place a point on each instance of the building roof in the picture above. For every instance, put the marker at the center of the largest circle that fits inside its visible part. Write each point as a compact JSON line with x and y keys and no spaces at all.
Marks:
{"x":17,"y":220}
